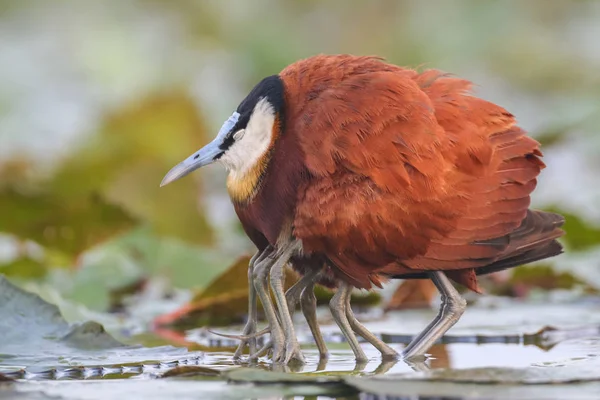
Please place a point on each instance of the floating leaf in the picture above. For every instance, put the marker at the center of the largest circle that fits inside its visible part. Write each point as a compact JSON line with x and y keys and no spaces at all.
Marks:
{"x":191,"y":370}
{"x":24,"y":268}
{"x":128,"y":157}
{"x":545,"y":277}
{"x":67,"y":225}
{"x":111,"y":182}
{"x":183,"y":264}
{"x":224,"y":301}
{"x":35,"y":336}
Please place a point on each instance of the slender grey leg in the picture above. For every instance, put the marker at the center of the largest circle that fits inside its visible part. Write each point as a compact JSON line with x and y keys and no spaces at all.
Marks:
{"x":338,"y":311}
{"x":309,"y":309}
{"x":386,"y":351}
{"x":262,"y":352}
{"x":292,"y":348}
{"x":249,"y":334}
{"x":250,"y":327}
{"x":261,"y":275}
{"x":452,"y":308}
{"x":292,"y":297}
{"x":294,"y":293}
{"x":322,"y":364}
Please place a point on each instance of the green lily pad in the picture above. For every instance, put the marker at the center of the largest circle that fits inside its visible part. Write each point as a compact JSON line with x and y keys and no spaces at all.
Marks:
{"x":187,"y":371}
{"x":24,"y":268}
{"x":66,"y":225}
{"x":35,"y":336}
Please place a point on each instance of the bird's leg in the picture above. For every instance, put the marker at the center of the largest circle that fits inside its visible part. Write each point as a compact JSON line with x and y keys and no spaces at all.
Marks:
{"x":292,"y":297}
{"x":453,"y":306}
{"x":261,"y":275}
{"x":337,"y":306}
{"x":387,"y":353}
{"x":309,"y":309}
{"x":250,"y":327}
{"x":292,"y":348}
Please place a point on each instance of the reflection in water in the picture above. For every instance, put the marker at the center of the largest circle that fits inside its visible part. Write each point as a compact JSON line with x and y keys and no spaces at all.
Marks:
{"x":455,"y":351}
{"x":439,"y":357}
{"x":385,"y":366}
{"x":341,"y":362}
{"x":359,"y":367}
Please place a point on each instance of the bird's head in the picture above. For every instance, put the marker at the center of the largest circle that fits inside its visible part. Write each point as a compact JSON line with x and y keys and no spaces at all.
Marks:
{"x":244,"y":140}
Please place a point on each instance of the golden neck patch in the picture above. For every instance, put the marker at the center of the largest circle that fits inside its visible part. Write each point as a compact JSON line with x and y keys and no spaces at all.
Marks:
{"x":242,"y":188}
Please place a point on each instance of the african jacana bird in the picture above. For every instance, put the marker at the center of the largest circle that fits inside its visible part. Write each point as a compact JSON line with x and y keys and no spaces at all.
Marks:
{"x":377,"y":172}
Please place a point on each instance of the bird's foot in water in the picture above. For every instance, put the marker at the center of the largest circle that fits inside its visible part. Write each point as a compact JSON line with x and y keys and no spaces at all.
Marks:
{"x":293,"y":353}
{"x":278,"y":349}
{"x":248,"y":337}
{"x":275,"y":345}
{"x":261,"y":352}
{"x":249,"y":329}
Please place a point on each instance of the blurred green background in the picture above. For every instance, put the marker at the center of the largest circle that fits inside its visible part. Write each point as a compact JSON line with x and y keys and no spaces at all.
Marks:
{"x":98,"y":100}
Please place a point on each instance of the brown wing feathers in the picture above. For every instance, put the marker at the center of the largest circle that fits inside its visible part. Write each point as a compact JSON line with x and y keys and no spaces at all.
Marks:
{"x":408,"y":172}
{"x":500,"y":203}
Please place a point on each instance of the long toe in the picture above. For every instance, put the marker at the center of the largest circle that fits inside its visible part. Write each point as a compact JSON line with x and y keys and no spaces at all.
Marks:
{"x":278,"y":340}
{"x":293,"y":353}
{"x":261,"y":352}
{"x":278,"y":353}
{"x":248,"y":337}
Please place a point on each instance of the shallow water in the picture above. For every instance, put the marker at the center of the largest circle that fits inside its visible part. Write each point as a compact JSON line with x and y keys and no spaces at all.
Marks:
{"x":572,"y":352}
{"x":499,"y":348}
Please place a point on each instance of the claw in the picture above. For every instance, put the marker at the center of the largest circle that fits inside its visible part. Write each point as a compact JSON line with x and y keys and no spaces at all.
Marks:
{"x":242,"y":337}
{"x":278,"y":354}
{"x":293,"y":352}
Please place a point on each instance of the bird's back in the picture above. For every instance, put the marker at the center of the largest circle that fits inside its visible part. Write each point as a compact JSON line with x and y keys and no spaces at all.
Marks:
{"x":408,"y":172}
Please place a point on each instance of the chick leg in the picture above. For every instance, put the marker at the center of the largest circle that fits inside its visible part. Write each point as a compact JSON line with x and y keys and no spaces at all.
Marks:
{"x":452,"y":308}
{"x":387,"y":353}
{"x":250,"y":327}
{"x":292,"y":347}
{"x":337,"y":306}
{"x":261,"y":275}
{"x":309,"y":309}
{"x":293,"y":296}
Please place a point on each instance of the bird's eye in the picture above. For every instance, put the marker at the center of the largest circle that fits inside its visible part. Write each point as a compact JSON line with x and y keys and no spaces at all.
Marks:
{"x":238,"y":135}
